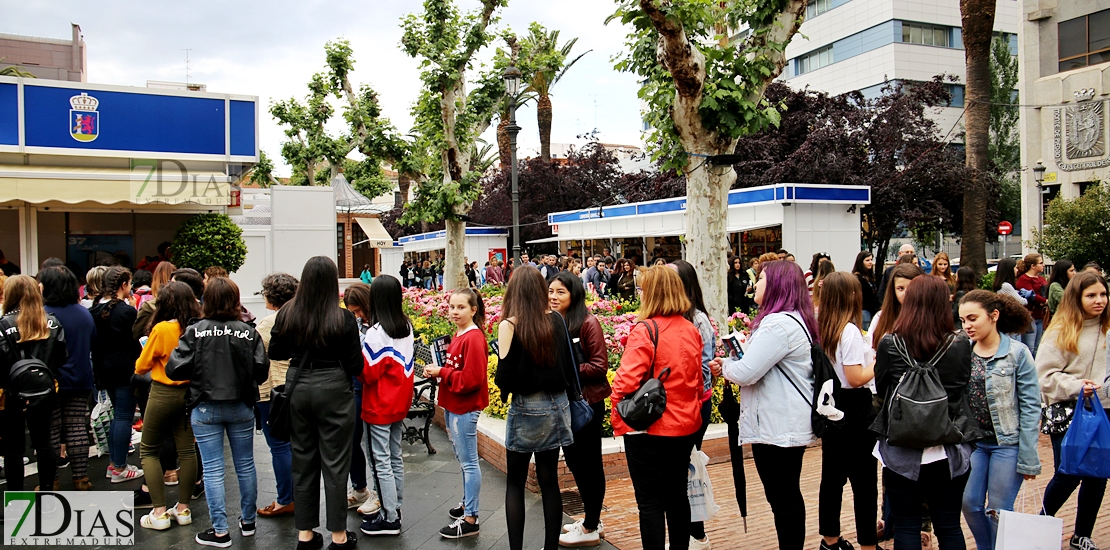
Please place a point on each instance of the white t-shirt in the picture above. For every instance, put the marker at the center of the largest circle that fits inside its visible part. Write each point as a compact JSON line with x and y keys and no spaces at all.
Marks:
{"x":871,"y":332}
{"x":852,"y":350}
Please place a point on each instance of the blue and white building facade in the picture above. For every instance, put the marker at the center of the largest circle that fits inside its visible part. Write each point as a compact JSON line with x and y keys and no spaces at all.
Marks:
{"x":89,"y":170}
{"x":801,"y":218}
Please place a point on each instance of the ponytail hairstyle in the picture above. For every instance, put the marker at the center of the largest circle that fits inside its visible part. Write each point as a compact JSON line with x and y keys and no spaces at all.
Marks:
{"x":1066,"y":325}
{"x":1012,"y":316}
{"x":21,"y":293}
{"x":474,"y":300}
{"x":94,"y":281}
{"x":114,"y":279}
{"x":1028,"y":262}
{"x":841,"y":303}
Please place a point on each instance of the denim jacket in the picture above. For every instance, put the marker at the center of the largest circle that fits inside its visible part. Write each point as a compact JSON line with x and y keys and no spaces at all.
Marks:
{"x":771,"y":410}
{"x":1014,"y":399}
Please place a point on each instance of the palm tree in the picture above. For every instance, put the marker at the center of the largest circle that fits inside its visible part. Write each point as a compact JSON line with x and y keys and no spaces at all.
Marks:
{"x":548,"y":65}
{"x":14,"y":70}
{"x":978,"y":24}
{"x":503,"y":146}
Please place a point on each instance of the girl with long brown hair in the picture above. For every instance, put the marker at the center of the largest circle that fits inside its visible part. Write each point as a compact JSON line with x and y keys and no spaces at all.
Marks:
{"x":1033,"y":283}
{"x":846,"y":453}
{"x":536,"y":368}
{"x":942,"y":267}
{"x":623,"y":280}
{"x":883,"y":321}
{"x":1072,"y":364}
{"x":28,"y":331}
{"x":938,"y":473}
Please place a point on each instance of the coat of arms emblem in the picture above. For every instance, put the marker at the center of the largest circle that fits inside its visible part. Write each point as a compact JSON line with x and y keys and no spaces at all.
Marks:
{"x":1085,"y":124}
{"x":84,"y":120}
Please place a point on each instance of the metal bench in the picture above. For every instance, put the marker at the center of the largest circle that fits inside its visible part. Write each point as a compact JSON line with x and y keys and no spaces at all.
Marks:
{"x":423,"y":400}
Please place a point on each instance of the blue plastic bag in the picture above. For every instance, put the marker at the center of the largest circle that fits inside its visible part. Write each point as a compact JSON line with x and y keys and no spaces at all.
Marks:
{"x":1085,"y":450}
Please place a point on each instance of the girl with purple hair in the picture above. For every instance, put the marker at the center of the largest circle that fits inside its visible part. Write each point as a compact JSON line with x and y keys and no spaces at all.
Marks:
{"x":775,"y":376}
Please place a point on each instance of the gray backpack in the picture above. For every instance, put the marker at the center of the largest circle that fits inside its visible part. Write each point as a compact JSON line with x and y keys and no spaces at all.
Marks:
{"x":917,"y":410}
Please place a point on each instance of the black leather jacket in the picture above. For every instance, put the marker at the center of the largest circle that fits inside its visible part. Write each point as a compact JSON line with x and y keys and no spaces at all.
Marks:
{"x":222,"y":360}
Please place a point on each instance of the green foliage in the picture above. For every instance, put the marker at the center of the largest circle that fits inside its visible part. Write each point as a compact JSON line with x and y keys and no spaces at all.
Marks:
{"x":543,"y":61}
{"x":448,"y":119}
{"x":262,"y":174}
{"x":1078,"y":229}
{"x":14,"y":70}
{"x":737,"y":70}
{"x":987,"y":282}
{"x":206,"y":240}
{"x":1003,"y":146}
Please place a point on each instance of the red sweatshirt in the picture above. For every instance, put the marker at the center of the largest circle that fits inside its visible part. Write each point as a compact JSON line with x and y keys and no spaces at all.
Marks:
{"x":1038,"y":301}
{"x":386,"y":377}
{"x":464,"y":383}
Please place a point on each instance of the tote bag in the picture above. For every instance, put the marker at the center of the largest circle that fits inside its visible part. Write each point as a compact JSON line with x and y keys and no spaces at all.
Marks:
{"x":1085,"y":450}
{"x":699,"y":489}
{"x":1021,"y":531}
{"x":101,"y":421}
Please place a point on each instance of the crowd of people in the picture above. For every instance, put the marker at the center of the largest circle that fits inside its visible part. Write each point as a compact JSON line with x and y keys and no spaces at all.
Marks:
{"x":329,"y":384}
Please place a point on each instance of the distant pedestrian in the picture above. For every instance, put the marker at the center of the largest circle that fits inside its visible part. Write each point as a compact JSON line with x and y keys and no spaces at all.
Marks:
{"x":277,"y":289}
{"x":1062,"y":273}
{"x":366,"y":276}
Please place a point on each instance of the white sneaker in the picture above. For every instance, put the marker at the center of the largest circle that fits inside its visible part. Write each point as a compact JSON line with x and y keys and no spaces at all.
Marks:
{"x":696,"y":544}
{"x":356,"y":498}
{"x":600,"y":527}
{"x":158,"y":523}
{"x":127,"y":474}
{"x":576,"y":536}
{"x":183,"y":518}
{"x":372,"y":506}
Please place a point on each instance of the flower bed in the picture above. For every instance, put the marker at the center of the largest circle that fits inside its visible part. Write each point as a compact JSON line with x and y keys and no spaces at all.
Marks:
{"x":428,"y":311}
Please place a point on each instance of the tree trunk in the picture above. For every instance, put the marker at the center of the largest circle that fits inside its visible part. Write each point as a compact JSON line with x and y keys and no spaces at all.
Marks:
{"x":543,"y":120}
{"x":707,"y":234}
{"x":503,"y":143}
{"x":404,"y":182}
{"x":978,"y":26}
{"x":454,"y":277}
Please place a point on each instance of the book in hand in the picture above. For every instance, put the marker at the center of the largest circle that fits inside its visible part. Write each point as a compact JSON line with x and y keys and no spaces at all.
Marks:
{"x":439,"y":350}
{"x":495,"y":348}
{"x":735,"y":344}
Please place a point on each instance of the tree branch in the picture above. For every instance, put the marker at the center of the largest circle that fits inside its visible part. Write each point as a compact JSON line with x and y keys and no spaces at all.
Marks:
{"x":681,"y":58}
{"x":779,"y":30}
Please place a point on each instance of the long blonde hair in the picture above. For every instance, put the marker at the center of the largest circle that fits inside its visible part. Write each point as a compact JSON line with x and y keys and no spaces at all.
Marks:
{"x":947,"y":274}
{"x":663,"y":293}
{"x":841,"y":303}
{"x":21,"y":292}
{"x":1068,"y":321}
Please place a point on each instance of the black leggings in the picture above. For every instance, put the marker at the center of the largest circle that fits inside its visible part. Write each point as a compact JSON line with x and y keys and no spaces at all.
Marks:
{"x":37,"y":420}
{"x":846,"y":456}
{"x":658,"y":466}
{"x":1061,"y":486}
{"x":547,"y":474}
{"x":780,"y":472}
{"x":584,"y":460}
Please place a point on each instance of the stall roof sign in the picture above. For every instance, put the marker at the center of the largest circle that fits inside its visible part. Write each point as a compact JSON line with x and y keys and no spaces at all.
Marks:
{"x":48,"y":117}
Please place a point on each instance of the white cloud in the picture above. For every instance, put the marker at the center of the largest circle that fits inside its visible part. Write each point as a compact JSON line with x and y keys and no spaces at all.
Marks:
{"x":271,"y":49}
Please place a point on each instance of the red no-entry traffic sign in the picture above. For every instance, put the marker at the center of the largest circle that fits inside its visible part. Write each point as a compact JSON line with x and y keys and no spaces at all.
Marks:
{"x":1005,"y":228}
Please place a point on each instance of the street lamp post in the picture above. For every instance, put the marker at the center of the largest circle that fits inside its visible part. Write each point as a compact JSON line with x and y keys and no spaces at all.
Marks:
{"x":512,"y":85}
{"x":1038,"y":175}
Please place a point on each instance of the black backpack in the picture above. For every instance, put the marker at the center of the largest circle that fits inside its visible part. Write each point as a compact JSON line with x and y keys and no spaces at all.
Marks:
{"x":823,"y":414}
{"x":917,"y":409}
{"x":29,"y":379}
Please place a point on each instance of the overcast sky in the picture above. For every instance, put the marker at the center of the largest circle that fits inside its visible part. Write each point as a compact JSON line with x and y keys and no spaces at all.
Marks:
{"x":271,"y":49}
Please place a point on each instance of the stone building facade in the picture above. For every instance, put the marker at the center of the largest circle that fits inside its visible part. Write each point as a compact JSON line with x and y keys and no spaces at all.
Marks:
{"x":47,"y":58}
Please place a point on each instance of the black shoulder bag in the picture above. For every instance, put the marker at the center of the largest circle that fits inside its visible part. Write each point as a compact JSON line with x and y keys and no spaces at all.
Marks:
{"x":281,"y":414}
{"x":641,"y":409}
{"x":580,"y":411}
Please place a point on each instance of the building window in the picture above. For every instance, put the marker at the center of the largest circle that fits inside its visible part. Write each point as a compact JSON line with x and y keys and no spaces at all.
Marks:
{"x":957,"y":92}
{"x":926,"y":35}
{"x":1085,"y":185}
{"x":815,"y":60}
{"x":1084,"y":41}
{"x":817,"y":7}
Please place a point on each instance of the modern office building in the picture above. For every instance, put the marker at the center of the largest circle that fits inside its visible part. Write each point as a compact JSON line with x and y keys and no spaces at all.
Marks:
{"x":1065,"y":87}
{"x":846,"y":45}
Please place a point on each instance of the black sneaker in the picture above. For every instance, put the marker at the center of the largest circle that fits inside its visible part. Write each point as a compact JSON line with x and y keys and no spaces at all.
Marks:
{"x":142,"y":499}
{"x":246,"y":528}
{"x":316,"y":543}
{"x":456,"y":512}
{"x":1082,"y":543}
{"x":379,"y":526}
{"x":62,"y":463}
{"x":210,"y":538}
{"x":198,"y":490}
{"x":458,"y":529}
{"x":352,"y":541}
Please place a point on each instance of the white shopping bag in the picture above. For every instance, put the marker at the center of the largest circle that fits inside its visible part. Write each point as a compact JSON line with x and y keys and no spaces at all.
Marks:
{"x":1020,"y":531}
{"x":699,"y":489}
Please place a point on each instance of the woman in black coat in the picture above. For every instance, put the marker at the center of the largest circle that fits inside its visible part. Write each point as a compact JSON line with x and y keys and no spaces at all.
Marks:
{"x":738,"y":286}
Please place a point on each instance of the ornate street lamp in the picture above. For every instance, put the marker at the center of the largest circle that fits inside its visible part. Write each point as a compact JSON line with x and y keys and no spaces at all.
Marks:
{"x":1038,"y":175}
{"x":512,"y":86}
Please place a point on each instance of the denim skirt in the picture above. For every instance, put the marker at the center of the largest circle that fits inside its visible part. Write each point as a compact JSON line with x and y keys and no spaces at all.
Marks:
{"x":538,"y":422}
